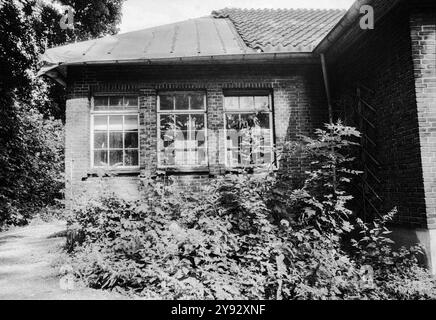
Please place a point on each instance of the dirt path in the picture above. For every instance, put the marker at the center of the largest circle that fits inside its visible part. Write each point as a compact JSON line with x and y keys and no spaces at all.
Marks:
{"x":28,"y":268}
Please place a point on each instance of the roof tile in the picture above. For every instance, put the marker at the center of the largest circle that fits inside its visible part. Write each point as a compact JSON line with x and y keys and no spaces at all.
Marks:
{"x":272,"y":30}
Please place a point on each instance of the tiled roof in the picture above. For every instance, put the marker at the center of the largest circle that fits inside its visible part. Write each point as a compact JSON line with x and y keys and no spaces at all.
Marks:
{"x":276,"y":30}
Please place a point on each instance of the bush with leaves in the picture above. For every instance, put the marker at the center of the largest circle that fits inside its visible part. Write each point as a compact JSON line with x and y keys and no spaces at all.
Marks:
{"x":227,"y":243}
{"x":31,"y":161}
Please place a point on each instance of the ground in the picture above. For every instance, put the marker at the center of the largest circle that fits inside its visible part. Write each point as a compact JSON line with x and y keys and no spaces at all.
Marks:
{"x":30,"y":260}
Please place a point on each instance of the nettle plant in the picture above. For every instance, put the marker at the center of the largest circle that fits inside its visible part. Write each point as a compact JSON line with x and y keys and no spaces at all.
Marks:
{"x":322,"y":201}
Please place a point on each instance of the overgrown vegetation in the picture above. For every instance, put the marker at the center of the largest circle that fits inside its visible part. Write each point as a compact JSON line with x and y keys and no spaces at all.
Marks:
{"x":31,"y":162}
{"x":230,"y":242}
{"x":31,"y":107}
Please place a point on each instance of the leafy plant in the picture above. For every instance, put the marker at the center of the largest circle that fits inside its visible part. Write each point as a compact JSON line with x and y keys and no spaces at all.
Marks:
{"x":238,"y":239}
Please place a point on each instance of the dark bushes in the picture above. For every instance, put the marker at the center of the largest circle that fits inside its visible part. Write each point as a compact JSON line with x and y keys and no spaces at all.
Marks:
{"x":31,"y":161}
{"x":224,"y":244}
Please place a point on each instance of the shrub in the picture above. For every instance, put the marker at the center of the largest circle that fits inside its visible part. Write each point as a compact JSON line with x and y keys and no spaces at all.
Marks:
{"x":228,"y":243}
{"x":31,"y":162}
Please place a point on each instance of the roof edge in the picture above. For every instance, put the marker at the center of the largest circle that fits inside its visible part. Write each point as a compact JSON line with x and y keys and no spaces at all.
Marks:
{"x":59,"y":72}
{"x":346,"y":23}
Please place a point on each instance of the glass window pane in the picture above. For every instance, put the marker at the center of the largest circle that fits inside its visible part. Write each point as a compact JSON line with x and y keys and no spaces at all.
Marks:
{"x":131,"y":123}
{"x":182,"y":101}
{"x":131,"y":102}
{"x":201,"y":156}
{"x":197,"y":121}
{"x":246,"y":103}
{"x":197,"y":101}
{"x":100,"y":140}
{"x":100,"y":158}
{"x":131,"y":158}
{"x":116,"y":157}
{"x":248,"y":120}
{"x":167,"y":158}
{"x":166,"y":122}
{"x":233,"y":157}
{"x":263,"y":120}
{"x":231,"y":103}
{"x":232,"y":121}
{"x":200,"y":137}
{"x":166,"y":102}
{"x":116,"y":103}
{"x":100,"y":103}
{"x":261,"y":103}
{"x":131,"y":140}
{"x":182,"y":122}
{"x":263,"y":156}
{"x":100,"y":123}
{"x":115,"y":140}
{"x":181,"y":139}
{"x":116,"y":123}
{"x":166,"y":129}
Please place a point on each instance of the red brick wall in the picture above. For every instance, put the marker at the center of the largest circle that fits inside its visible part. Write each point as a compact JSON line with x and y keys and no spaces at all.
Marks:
{"x":423,"y":35}
{"x":298,"y":99}
{"x":386,"y":59}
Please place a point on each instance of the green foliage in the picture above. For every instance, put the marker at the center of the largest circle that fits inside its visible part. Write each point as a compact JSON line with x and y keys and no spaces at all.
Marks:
{"x":31,"y":140}
{"x":31,"y":162}
{"x":227,"y":243}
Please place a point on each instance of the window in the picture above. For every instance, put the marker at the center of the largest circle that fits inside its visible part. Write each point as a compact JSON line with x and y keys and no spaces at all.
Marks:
{"x":115,"y":132}
{"x":182,"y":130}
{"x":248,"y":125}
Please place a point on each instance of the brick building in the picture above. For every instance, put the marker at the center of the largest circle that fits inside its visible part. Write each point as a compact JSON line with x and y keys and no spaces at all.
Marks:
{"x":166,"y":99}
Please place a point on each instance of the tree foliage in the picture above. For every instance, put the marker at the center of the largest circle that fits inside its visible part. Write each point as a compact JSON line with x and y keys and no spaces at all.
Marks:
{"x":31,"y":143}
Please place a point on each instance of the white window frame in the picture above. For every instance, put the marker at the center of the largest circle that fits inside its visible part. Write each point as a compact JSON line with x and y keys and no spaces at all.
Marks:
{"x":178,"y":167}
{"x":108,"y":113}
{"x":240,"y":112}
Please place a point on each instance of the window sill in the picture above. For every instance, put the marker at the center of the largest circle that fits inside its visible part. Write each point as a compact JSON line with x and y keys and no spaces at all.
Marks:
{"x":250,"y":169}
{"x":102,"y":172}
{"x":174,"y":170}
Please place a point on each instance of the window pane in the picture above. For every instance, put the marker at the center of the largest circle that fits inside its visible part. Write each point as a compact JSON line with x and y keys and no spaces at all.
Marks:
{"x":167,"y":157}
{"x":115,"y":140}
{"x":197,"y":121}
{"x":182,"y":122}
{"x":261,"y":103}
{"x":263,"y":120}
{"x":166,"y":122}
{"x":100,"y":123}
{"x":182,"y":101}
{"x":100,"y":103}
{"x":166,"y":102}
{"x":116,"y":123}
{"x":200,"y":137}
{"x":131,"y":140}
{"x":263,"y":156}
{"x":248,"y":120}
{"x":233,"y":157}
{"x":197,"y":101}
{"x":100,"y":158}
{"x":246,"y":103}
{"x":181,"y":138}
{"x":131,"y":102}
{"x":232,"y":121}
{"x":166,"y":128}
{"x":131,"y":158}
{"x":130,"y":123}
{"x":116,"y":103}
{"x":100,"y":140}
{"x":201,"y":156}
{"x":231,"y":103}
{"x":115,"y":157}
